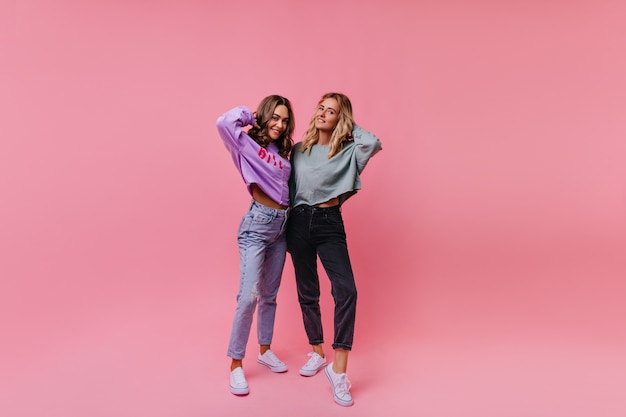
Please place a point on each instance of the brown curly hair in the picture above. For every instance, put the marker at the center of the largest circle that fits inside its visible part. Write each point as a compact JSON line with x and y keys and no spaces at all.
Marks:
{"x":264,"y":114}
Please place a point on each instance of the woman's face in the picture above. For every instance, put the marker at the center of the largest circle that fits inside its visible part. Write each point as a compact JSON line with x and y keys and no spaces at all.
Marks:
{"x":327,"y":115}
{"x":277,"y":124}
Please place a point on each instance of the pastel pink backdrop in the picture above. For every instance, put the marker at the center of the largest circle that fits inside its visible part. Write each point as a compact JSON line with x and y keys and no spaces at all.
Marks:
{"x":488,"y":241}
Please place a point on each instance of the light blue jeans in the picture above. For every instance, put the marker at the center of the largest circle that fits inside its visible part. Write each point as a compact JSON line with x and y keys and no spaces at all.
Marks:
{"x":262,"y":252}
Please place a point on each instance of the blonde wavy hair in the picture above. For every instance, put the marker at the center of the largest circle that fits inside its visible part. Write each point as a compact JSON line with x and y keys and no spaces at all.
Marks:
{"x":342,"y":133}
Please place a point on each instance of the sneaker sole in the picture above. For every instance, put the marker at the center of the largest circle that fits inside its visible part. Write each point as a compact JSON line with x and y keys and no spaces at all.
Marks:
{"x":277,"y":369}
{"x":339,"y":401}
{"x":239,"y":391}
{"x":312,"y":372}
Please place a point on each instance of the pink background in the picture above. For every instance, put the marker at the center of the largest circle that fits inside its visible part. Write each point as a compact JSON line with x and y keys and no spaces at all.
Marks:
{"x":488,"y":241}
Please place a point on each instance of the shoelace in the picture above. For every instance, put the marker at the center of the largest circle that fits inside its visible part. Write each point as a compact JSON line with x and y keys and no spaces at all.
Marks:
{"x":240,"y":379}
{"x":312,"y":360}
{"x":270,"y":355}
{"x":343,"y":385}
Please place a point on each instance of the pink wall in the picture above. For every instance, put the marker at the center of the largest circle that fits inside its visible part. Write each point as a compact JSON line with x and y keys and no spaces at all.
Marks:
{"x":488,"y":240}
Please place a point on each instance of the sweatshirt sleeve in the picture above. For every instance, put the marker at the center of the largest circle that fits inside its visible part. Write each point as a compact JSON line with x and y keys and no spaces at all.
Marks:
{"x":229,"y":126}
{"x":367,"y":145}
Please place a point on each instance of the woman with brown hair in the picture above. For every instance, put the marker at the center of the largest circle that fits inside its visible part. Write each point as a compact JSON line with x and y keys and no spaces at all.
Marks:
{"x":261,"y":156}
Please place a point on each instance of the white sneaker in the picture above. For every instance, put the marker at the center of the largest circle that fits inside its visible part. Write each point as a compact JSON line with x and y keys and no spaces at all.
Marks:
{"x":238,"y":384}
{"x":340,"y":385}
{"x":313,"y":365}
{"x":270,"y":360}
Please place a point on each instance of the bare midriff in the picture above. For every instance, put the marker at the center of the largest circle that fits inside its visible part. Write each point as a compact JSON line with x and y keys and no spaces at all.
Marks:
{"x":330,"y":203}
{"x":260,"y":197}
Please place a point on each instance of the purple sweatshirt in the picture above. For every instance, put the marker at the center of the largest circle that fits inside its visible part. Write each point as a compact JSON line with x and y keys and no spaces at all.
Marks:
{"x":263,"y":166}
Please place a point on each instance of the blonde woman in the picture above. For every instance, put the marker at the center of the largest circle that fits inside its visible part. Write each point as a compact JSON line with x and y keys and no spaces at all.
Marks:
{"x":326,"y":168}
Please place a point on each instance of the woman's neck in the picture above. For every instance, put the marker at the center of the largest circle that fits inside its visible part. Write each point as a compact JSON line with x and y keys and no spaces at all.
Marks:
{"x":324,"y":138}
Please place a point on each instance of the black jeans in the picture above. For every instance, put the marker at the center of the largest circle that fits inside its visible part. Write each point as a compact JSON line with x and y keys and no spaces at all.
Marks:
{"x":312,"y":232}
